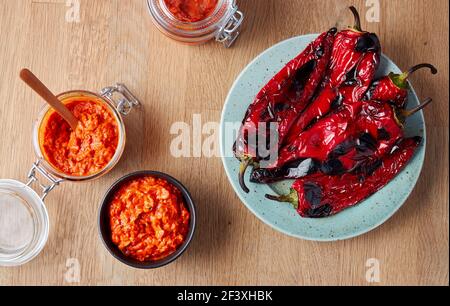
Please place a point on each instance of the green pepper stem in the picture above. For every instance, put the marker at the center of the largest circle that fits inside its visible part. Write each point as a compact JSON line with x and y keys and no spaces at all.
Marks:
{"x":291,"y":198}
{"x":402,"y":115}
{"x":245,"y":163}
{"x":357,"y":25}
{"x":400,"y":80}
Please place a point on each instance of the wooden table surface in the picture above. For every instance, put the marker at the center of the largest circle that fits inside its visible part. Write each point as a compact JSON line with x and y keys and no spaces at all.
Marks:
{"x":116,"y":41}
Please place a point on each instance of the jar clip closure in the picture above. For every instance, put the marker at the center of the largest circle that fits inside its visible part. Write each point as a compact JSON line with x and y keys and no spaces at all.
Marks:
{"x":231,"y":29}
{"x":126,"y":100}
{"x":46,"y":188}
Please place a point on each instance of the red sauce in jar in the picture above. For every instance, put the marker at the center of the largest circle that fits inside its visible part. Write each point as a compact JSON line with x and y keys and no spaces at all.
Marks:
{"x":87,"y":150}
{"x":191,"y":10}
{"x":148,"y":218}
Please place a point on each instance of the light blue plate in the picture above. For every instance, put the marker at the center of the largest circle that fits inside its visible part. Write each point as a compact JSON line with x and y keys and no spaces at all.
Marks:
{"x":354,"y":221}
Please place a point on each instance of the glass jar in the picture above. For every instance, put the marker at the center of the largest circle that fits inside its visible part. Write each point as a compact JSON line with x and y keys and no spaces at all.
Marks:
{"x":223,"y":24}
{"x":24,"y":222}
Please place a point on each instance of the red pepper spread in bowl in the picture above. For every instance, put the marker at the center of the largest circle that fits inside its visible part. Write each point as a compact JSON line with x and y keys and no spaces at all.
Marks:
{"x":148,"y":218}
{"x":191,"y":10}
{"x":87,"y":150}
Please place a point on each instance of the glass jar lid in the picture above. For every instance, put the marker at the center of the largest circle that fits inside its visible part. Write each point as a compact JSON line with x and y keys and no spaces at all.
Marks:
{"x":222,"y":24}
{"x":24,"y":224}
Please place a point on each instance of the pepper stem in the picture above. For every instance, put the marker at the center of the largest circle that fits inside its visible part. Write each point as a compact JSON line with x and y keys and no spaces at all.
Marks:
{"x":420,"y":66}
{"x":245,"y":163}
{"x":400,"y":80}
{"x":402,"y":115}
{"x":409,"y":113}
{"x":291,"y":198}
{"x":357,"y":25}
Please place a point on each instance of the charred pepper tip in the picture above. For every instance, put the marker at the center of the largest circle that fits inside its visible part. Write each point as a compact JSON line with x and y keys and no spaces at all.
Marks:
{"x":400,"y":80}
{"x":418,"y":139}
{"x":357,"y":25}
{"x":291,"y":198}
{"x":333,"y":30}
{"x":245,"y":163}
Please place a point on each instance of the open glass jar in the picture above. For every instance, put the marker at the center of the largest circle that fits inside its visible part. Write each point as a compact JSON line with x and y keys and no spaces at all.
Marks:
{"x":24,"y":222}
{"x":223,"y":24}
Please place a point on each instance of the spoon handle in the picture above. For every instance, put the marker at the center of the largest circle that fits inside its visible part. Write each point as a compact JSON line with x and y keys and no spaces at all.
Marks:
{"x":31,"y":80}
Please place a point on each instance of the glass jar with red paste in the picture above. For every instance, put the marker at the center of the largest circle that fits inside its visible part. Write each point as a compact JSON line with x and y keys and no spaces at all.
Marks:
{"x":197,"y":21}
{"x":96,"y":146}
{"x":87,"y":153}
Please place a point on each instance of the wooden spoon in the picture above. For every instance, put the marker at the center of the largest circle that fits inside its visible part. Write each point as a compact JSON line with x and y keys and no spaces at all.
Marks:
{"x":31,"y":80}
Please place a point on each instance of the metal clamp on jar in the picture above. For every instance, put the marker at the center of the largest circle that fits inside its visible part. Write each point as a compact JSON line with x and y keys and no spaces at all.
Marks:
{"x":24,"y":221}
{"x":223,"y":23}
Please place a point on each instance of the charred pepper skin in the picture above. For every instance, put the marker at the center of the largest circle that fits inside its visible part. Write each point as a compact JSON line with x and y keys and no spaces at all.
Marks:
{"x":321,"y":139}
{"x":335,"y":133}
{"x":393,"y":88}
{"x":379,"y":129}
{"x":348,"y":48}
{"x":294,"y":170}
{"x":323,"y":196}
{"x":354,"y":62}
{"x":350,"y":147}
{"x":282,"y":100}
{"x":331,"y":99}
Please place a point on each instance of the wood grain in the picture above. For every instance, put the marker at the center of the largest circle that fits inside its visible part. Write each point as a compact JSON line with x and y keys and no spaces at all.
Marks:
{"x":116,"y":41}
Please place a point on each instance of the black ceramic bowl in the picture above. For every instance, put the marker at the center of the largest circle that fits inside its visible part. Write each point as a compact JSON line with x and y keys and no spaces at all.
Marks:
{"x":104,"y":224}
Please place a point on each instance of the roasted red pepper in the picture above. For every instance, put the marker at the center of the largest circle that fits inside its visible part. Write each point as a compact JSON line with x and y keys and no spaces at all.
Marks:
{"x":354,"y":62}
{"x":394,"y":87}
{"x":322,"y":196}
{"x":350,"y":142}
{"x":313,"y":147}
{"x":349,"y":46}
{"x":282,"y":100}
{"x":381,"y":123}
{"x":380,"y":127}
{"x":321,"y":139}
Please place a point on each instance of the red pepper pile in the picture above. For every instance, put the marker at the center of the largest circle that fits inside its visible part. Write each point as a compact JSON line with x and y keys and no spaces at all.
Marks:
{"x":339,"y":131}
